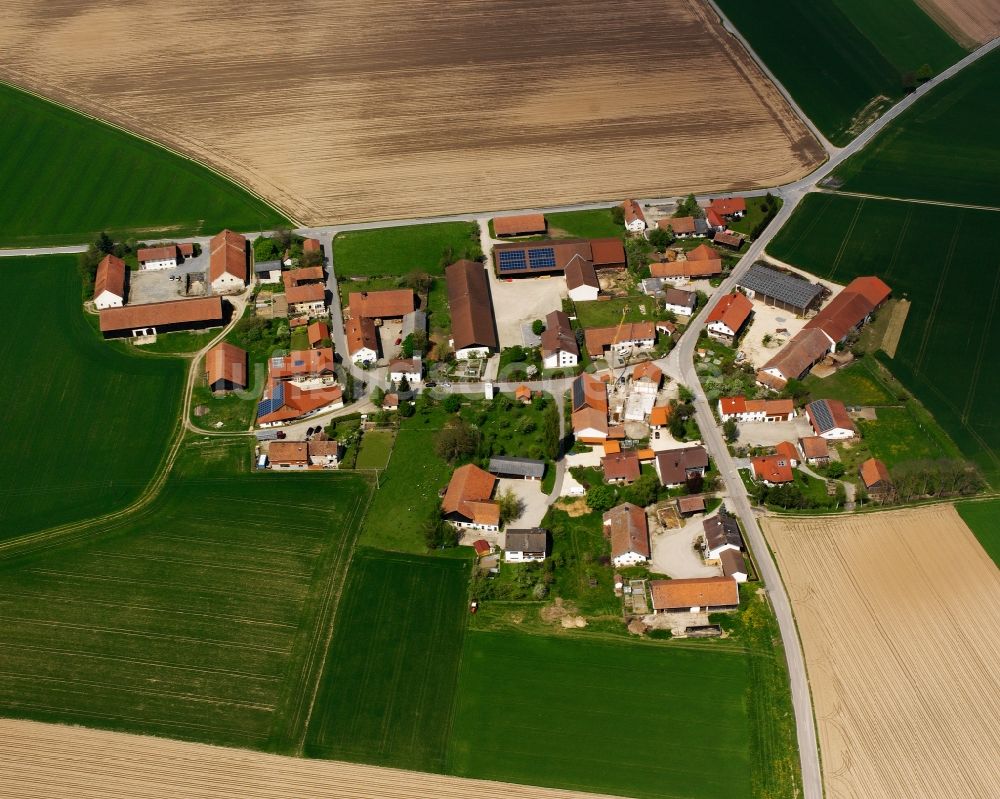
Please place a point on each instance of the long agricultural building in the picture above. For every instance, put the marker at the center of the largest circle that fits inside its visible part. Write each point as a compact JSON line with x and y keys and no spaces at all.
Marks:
{"x":163,"y":317}
{"x":555,"y":256}
{"x":780,"y":289}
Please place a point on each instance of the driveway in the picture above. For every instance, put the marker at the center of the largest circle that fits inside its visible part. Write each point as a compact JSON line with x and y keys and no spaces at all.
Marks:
{"x":767,"y":434}
{"x":535,"y":502}
{"x":674,"y":553}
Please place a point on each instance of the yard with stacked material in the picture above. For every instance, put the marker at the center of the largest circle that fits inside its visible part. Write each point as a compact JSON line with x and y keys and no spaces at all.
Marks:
{"x":67,"y":177}
{"x":942,"y":148}
{"x":201,"y":617}
{"x":899,"y":616}
{"x":389,"y":688}
{"x":842,"y":60}
{"x":933,"y":256}
{"x":393,"y":126}
{"x":85,"y":425}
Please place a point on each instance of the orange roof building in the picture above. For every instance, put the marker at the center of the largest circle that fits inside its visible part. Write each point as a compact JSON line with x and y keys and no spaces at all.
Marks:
{"x":162,"y":317}
{"x":815,"y":449}
{"x":728,"y":207}
{"x":226,"y":367}
{"x":319,"y":334}
{"x":468,"y":500}
{"x":876,"y":478}
{"x":227,"y":261}
{"x":787,"y":450}
{"x":729,"y":317}
{"x":362,"y":339}
{"x":772,"y":469}
{"x":639,"y":335}
{"x":522,"y":225}
{"x":622,"y":466}
{"x":660,"y":416}
{"x":301,"y":364}
{"x":694,"y":594}
{"x":109,"y":283}
{"x":381,"y":304}
{"x":635,"y":220}
{"x":286,"y":401}
{"x":522,"y":394}
{"x":590,"y":409}
{"x":628,"y":530}
{"x":312,"y":245}
{"x":680,"y":271}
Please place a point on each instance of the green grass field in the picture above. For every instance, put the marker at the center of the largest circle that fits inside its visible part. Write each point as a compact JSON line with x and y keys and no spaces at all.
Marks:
{"x":943,"y":148}
{"x":67,"y":177}
{"x":608,"y":313}
{"x":836,"y":56}
{"x":594,"y":224}
{"x":376,"y":447}
{"x":85,"y":425}
{"x":195,"y":619}
{"x":401,"y":250}
{"x":983,"y":519}
{"x":387,"y":694}
{"x":933,"y":256}
{"x":593,"y":715}
{"x":857,"y":384}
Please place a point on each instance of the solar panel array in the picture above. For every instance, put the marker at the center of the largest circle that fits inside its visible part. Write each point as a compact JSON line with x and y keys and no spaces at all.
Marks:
{"x":276,"y":400}
{"x":821,"y":413}
{"x":780,"y":286}
{"x":511,"y":260}
{"x":579,"y":398}
{"x":542,"y":258}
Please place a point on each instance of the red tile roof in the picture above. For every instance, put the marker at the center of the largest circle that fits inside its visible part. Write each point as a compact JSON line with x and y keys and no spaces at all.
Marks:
{"x":382,"y":304}
{"x":305,"y":274}
{"x":727,"y":206}
{"x":472,"y":320}
{"x":837,"y":414}
{"x":164,"y":253}
{"x":227,"y":362}
{"x":733,"y":310}
{"x":311,"y":245}
{"x":227,"y":255}
{"x":814,"y":447}
{"x":110,"y":277}
{"x":704,"y":253}
{"x":600,"y":338}
{"x":647,"y":371}
{"x":632,"y":211}
{"x":806,"y":348}
{"x":296,"y":452}
{"x":558,"y":335}
{"x":622,"y":465}
{"x":873,"y":471}
{"x":318,"y":332}
{"x":301,"y":363}
{"x":695,"y":269}
{"x":361,"y":333}
{"x":200,"y":310}
{"x":299,"y":401}
{"x":607,"y":252}
{"x":628,"y":529}
{"x":787,"y":450}
{"x":681,"y":225}
{"x":694,"y":592}
{"x":713,"y":218}
{"x":308,"y":292}
{"x":468,"y":494}
{"x":520,"y":225}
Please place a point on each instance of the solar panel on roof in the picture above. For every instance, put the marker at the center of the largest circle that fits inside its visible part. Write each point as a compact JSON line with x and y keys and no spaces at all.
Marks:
{"x":542,"y":258}
{"x":300,"y":363}
{"x":276,"y":401}
{"x":821,"y":412}
{"x":578,"y":394}
{"x":511,"y":260}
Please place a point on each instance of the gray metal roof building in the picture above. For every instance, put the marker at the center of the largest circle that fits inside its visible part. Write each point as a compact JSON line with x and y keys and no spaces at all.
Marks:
{"x":781,"y":289}
{"x":517,"y":467}
{"x":414,"y":321}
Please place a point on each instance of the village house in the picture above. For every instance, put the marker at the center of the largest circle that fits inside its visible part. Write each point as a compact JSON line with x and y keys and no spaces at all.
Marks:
{"x":525,"y":546}
{"x":734,"y":565}
{"x":581,"y":281}
{"x":559,"y":346}
{"x":795,"y":359}
{"x":878,"y":483}
{"x":287,"y":401}
{"x":721,"y":532}
{"x":473,"y":326}
{"x":523,"y":394}
{"x":771,"y":470}
{"x":728,"y":208}
{"x":684,"y":227}
{"x":787,"y":450}
{"x":622,"y":339}
{"x":227,"y":262}
{"x":318,"y":334}
{"x":163,"y":257}
{"x":267,"y":271}
{"x":226,"y":367}
{"x":308,"y":299}
{"x":690,"y":504}
{"x":680,"y":302}
{"x":555,"y":256}
{"x":589,"y":398}
{"x":522,"y":225}
{"x":163,"y":317}
{"x":829,"y":420}
{"x":302,"y":364}
{"x":675,"y":467}
{"x":362,"y":340}
{"x":728,"y":318}
{"x":728,"y":239}
{"x":468,"y":502}
{"x":391,"y":304}
{"x":109,"y":283}
{"x":312,"y":245}
{"x":409,"y":369}
{"x":325,"y":454}
{"x":635,"y":220}
{"x":679,"y":272}
{"x":659,"y":417}
{"x":506,"y":466}
{"x":390,"y":402}
{"x":646,"y":379}
{"x":628,"y":530}
{"x":815,"y":450}
{"x":621,"y":467}
{"x":743,"y":410}
{"x":780,"y":289}
{"x":695,"y":595}
{"x":286,"y":455}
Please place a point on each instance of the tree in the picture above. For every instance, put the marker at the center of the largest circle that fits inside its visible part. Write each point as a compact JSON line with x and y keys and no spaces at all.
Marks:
{"x":768,"y":338}
{"x":458,"y":440}
{"x":419,"y":281}
{"x":635,"y":255}
{"x":538,"y":327}
{"x":689,"y":207}
{"x":643,"y":491}
{"x":618,"y":215}
{"x":511,"y":506}
{"x":437,"y":532}
{"x":835,"y":469}
{"x":684,"y":394}
{"x":404,"y":385}
{"x":925,"y":73}
{"x":378,"y":396}
{"x":661,"y":238}
{"x":406,"y":409}
{"x":678,"y":426}
{"x":796,"y":390}
{"x":601,"y":497}
{"x":314,"y":258}
{"x":730,"y":429}
{"x":452,"y":403}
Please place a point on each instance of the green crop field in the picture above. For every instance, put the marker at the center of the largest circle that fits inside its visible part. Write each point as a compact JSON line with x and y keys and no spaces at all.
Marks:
{"x":401,"y":250}
{"x":67,"y":177}
{"x":196,"y":618}
{"x":601,"y":716}
{"x":387,"y":695}
{"x":943,"y":148}
{"x":934,"y":257}
{"x":85,"y":425}
{"x":983,"y":519}
{"x":594,"y":224}
{"x":836,"y":56}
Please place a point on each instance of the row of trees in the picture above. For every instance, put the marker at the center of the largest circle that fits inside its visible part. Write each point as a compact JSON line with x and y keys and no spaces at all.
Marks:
{"x":936,"y":478}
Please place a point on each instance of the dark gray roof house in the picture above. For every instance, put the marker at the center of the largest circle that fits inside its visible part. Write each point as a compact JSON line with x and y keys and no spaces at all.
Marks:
{"x":264,"y":267}
{"x":413,"y":322}
{"x":721,"y":530}
{"x":531,"y":541}
{"x":517,"y":467}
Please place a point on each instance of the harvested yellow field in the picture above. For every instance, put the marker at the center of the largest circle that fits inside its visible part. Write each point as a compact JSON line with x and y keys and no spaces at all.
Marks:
{"x":341,"y":111}
{"x":899,"y":615}
{"x":47,"y":761}
{"x":970,"y":22}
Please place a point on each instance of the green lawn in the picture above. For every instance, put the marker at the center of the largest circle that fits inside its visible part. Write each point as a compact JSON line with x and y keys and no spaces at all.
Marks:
{"x":857,"y":384}
{"x":902,"y":434}
{"x":194,"y":619}
{"x":180,"y":343}
{"x":595,"y":224}
{"x":67,"y":177}
{"x":983,"y":519}
{"x":754,"y":216}
{"x":85,"y":425}
{"x":608,"y":313}
{"x":387,"y":694}
{"x":376,"y":446}
{"x":943,"y":148}
{"x":933,"y":256}
{"x":836,"y":56}
{"x":401,"y":250}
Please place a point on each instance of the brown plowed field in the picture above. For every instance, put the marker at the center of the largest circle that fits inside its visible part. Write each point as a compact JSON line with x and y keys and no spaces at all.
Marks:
{"x":343,"y":111}
{"x":899,"y":615}
{"x":970,"y":22}
{"x":46,"y":761}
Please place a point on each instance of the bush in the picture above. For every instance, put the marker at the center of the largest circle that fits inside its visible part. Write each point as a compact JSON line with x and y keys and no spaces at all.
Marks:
{"x":538,"y":327}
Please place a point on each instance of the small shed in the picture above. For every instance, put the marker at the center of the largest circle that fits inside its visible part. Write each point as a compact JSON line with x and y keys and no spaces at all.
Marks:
{"x":523,"y":468}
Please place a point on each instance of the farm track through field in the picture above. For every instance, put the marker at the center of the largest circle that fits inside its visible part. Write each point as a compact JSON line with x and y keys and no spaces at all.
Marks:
{"x":899,"y":245}
{"x":983,"y":348}
{"x":918,"y":362}
{"x":846,"y":240}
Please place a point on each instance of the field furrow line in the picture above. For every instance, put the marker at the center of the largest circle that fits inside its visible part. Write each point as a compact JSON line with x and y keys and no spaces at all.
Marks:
{"x":983,"y":347}
{"x":846,"y":240}
{"x":201,"y":564}
{"x":942,"y":281}
{"x":106,"y":578}
{"x":899,"y":243}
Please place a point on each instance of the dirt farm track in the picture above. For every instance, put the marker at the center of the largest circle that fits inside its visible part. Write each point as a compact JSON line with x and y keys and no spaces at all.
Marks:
{"x":899,"y":615}
{"x":44,"y":761}
{"x":341,"y":111}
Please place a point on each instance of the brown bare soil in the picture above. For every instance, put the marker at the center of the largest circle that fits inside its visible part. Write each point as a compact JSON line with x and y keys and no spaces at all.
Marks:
{"x":46,"y":761}
{"x":899,"y":615}
{"x":970,"y":22}
{"x":338,"y":111}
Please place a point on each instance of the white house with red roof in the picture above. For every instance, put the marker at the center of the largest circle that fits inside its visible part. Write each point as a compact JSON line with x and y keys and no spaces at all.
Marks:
{"x":635,"y":220}
{"x":729,"y":316}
